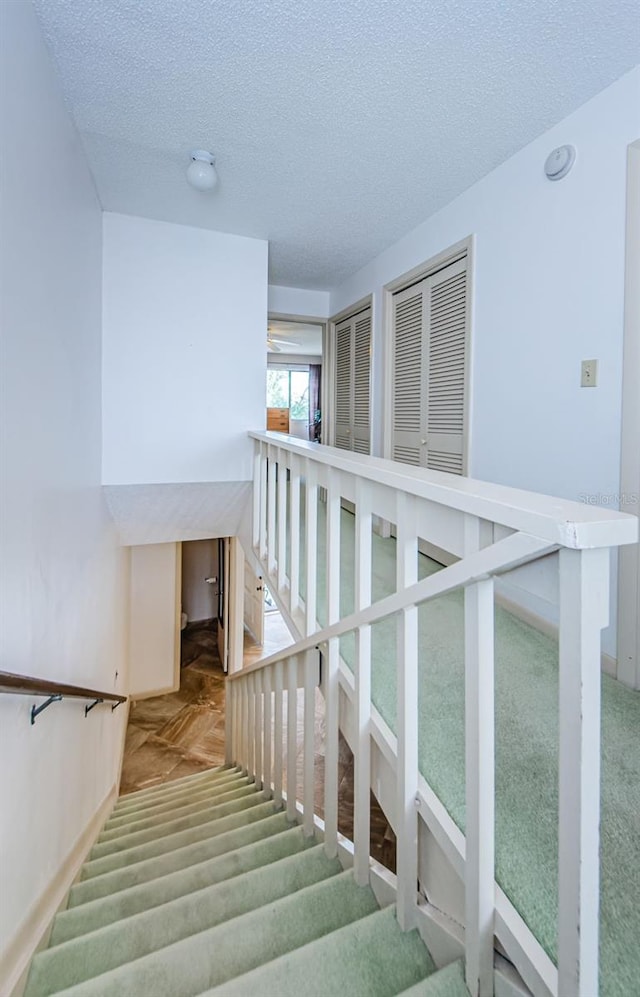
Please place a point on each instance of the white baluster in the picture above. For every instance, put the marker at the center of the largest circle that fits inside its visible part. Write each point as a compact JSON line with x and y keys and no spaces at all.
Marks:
{"x":237,"y":723}
{"x":263,"y":503}
{"x":277,"y":734}
{"x":282,"y":521}
{"x":311,"y":546}
{"x":331,"y":666}
{"x":362,"y":754}
{"x":407,"y":680}
{"x":245,"y":724}
{"x":584,"y":610}
{"x":229,"y":726}
{"x":266,"y":683}
{"x":310,"y":671}
{"x":257,"y":472}
{"x":294,"y":535}
{"x":292,"y":732}
{"x":271,"y":511}
{"x":258,"y":729}
{"x":480,"y":777}
{"x":251,"y":730}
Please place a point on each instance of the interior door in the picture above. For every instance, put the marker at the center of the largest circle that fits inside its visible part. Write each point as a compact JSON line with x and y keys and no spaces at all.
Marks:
{"x":446,"y":360}
{"x":361,"y":382}
{"x":253,"y":603}
{"x":352,"y":426}
{"x":223,"y":602}
{"x":343,"y":378}
{"x":429,"y":398}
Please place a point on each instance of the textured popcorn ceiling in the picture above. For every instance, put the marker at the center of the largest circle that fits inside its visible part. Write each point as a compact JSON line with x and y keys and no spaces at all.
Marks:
{"x":338,"y":125}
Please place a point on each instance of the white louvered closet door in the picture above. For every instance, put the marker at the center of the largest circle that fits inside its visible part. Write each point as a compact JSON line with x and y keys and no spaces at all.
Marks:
{"x":429,"y":383}
{"x":343,"y":386}
{"x":361,"y":381}
{"x":446,"y":319}
{"x":352,"y":428}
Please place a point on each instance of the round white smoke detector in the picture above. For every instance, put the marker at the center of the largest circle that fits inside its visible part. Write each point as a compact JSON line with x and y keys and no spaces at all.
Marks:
{"x":559,"y":162}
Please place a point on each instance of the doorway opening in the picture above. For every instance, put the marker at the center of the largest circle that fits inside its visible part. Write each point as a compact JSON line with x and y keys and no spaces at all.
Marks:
{"x":294,"y":389}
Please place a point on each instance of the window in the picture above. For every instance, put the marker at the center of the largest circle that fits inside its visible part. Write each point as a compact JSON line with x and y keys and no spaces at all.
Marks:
{"x":288,"y":387}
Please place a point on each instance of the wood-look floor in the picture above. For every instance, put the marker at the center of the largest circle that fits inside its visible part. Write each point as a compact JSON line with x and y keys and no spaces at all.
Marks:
{"x":183,"y":732}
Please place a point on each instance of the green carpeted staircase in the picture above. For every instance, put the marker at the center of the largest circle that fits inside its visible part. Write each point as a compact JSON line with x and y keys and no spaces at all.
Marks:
{"x":202,"y":886}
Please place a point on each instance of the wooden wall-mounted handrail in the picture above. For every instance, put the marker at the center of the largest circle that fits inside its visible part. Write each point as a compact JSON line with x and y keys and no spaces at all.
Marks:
{"x":28,"y":685}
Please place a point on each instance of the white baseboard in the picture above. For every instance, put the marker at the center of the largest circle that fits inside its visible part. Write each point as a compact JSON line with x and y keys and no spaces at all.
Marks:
{"x":608,"y":664}
{"x":33,"y":933}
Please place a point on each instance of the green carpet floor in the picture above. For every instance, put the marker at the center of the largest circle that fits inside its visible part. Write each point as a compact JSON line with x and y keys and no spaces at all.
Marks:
{"x":526,"y":753}
{"x":203,"y":886}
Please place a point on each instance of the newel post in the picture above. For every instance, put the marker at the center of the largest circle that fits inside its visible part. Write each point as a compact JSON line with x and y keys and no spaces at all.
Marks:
{"x":584,"y":611}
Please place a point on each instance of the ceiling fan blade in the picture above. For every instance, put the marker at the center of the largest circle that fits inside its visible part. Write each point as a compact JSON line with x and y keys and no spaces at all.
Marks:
{"x":282,"y":342}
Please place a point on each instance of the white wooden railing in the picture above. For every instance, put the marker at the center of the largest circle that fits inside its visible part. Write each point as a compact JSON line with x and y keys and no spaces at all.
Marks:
{"x":486,"y":531}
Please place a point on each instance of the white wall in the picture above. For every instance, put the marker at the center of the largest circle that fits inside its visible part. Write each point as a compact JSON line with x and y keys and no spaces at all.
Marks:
{"x":548,"y":292}
{"x":200,"y":561}
{"x":184,"y":358}
{"x":154,"y":628}
{"x":298,"y":301}
{"x":63,"y":579}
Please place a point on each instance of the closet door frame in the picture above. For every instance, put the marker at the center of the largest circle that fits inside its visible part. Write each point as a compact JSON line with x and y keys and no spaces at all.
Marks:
{"x":330,"y":380}
{"x":462,"y":249}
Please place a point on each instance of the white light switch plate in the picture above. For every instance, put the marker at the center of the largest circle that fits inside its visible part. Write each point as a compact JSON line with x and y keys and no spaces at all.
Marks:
{"x":589,"y":374}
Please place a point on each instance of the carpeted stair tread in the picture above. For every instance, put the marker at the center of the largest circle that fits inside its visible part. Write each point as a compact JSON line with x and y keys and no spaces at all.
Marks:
{"x":193,"y":795}
{"x":216,"y":955}
{"x":215,"y":810}
{"x":142,"y":796}
{"x":174,"y":792}
{"x":79,"y":920}
{"x":220,"y":845}
{"x":447,"y":982}
{"x":185,"y":809}
{"x":166,"y":843}
{"x":370,"y":957}
{"x":131,"y":938}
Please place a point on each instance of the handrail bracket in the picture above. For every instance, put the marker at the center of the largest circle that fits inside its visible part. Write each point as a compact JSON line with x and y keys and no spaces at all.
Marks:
{"x":36,"y":710}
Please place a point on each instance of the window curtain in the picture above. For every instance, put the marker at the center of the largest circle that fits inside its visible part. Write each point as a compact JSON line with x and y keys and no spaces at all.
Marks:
{"x":315,"y":389}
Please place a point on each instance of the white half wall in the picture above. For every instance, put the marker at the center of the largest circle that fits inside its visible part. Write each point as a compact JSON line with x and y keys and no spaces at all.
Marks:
{"x":64,"y":580}
{"x":184,"y":359}
{"x":298,"y":301}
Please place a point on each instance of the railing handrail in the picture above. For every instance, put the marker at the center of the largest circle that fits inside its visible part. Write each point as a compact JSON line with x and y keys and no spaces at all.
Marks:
{"x":29,"y":685}
{"x":502,"y":556}
{"x":564,"y":522}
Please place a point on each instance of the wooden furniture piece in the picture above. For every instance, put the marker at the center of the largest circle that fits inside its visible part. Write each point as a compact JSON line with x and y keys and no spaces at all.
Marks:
{"x":278,"y":419}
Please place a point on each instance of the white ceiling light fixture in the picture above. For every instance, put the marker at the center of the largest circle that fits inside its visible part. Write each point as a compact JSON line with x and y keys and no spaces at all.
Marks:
{"x":201,"y":172}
